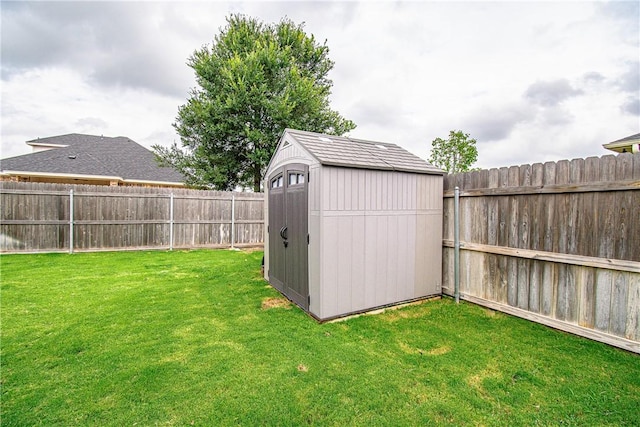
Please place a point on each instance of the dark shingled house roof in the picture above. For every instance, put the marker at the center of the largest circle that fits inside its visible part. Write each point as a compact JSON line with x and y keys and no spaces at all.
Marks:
{"x":78,"y":156}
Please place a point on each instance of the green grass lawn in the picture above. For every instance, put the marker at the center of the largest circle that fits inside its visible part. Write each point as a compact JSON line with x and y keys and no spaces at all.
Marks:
{"x":186,"y":338}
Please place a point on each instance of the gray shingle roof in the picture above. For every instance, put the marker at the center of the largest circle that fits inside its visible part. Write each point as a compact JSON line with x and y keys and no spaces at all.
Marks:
{"x":628,"y":138}
{"x":350,"y":152}
{"x":93,"y":155}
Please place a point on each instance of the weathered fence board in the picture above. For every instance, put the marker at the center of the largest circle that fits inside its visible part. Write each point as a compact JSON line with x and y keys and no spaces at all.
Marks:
{"x":37,"y":217}
{"x":558,"y":243}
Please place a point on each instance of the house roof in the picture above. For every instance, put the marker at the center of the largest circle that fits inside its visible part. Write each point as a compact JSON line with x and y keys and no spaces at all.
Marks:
{"x":628,"y":138}
{"x":89,"y":155}
{"x":335,"y":150}
{"x":630,"y":144}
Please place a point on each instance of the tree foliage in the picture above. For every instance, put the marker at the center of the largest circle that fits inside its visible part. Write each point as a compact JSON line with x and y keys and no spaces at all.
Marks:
{"x":254,"y":81}
{"x":456,"y":154}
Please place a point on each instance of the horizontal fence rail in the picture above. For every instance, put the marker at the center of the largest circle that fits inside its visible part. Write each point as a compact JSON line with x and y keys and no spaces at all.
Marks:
{"x":39,"y":217}
{"x":556,"y":243}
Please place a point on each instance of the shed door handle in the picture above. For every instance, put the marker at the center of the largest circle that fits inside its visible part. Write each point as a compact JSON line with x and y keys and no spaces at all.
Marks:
{"x":283,"y":232}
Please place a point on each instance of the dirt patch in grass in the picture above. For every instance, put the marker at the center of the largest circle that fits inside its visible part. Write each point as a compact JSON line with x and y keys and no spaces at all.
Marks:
{"x":476,"y":381}
{"x":394,"y":315}
{"x":410,"y":350}
{"x":439,"y":351}
{"x":277,"y":302}
{"x":251,"y":249}
{"x":491,"y":313}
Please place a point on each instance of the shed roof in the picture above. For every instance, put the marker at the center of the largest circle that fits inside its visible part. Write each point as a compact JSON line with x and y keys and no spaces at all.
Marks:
{"x":78,"y":154}
{"x":343,"y":151}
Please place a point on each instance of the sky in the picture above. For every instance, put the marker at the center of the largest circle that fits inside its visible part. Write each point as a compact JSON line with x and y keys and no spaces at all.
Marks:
{"x":530,"y":81}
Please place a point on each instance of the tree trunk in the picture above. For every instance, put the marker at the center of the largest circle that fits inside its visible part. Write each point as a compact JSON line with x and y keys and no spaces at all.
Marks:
{"x":256,"y":182}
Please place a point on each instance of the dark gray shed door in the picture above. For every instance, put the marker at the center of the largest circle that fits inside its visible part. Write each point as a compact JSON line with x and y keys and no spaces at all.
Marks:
{"x":288,"y":230}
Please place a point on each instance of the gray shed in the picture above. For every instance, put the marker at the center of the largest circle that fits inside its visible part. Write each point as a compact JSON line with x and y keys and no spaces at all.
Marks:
{"x":352,"y":225}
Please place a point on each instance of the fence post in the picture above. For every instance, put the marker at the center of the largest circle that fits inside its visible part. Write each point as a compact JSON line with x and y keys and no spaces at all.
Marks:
{"x":233,"y":220}
{"x":456,"y":245}
{"x":171,"y":222}
{"x":71,"y":221}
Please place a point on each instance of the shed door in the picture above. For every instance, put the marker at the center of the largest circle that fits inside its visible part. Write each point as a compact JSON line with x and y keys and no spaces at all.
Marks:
{"x":288,"y":228}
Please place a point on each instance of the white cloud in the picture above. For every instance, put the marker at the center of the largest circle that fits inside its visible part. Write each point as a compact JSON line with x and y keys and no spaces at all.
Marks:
{"x":47,"y":102}
{"x":530,"y":81}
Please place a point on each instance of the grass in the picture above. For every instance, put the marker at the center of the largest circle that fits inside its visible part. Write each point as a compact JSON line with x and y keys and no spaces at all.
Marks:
{"x":198,"y":338}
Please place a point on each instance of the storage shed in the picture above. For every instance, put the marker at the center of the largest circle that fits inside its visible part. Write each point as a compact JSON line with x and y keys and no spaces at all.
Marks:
{"x":352,"y":225}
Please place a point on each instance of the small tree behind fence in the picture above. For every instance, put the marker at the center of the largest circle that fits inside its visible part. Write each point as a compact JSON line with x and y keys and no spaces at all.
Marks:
{"x":39,"y":217}
{"x":558,"y":243}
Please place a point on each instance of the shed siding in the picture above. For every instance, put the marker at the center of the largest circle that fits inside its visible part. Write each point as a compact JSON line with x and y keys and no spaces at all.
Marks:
{"x":428,"y":267}
{"x":265,"y":272}
{"x":428,"y":250}
{"x":429,"y":193}
{"x":315,"y":243}
{"x":369,"y":228}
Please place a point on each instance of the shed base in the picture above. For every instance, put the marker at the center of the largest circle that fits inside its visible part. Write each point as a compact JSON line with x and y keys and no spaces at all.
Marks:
{"x":368,"y":311}
{"x":381,"y":309}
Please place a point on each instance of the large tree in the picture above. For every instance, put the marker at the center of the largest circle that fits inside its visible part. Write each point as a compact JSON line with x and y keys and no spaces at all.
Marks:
{"x":456,"y":154}
{"x":254,"y":81}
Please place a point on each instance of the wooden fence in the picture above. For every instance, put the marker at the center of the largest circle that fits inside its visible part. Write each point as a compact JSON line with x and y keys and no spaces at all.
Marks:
{"x":37,"y":217}
{"x":557,"y":243}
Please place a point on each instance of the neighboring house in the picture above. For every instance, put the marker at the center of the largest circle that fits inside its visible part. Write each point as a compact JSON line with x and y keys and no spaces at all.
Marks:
{"x":630,"y":144}
{"x":89,"y":159}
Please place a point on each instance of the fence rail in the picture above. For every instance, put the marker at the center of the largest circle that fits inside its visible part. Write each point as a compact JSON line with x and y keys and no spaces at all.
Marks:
{"x":38,"y":217}
{"x":557,"y":243}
